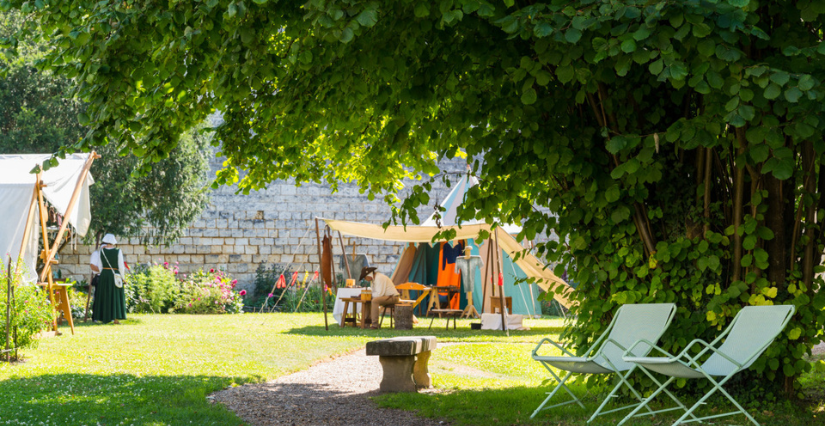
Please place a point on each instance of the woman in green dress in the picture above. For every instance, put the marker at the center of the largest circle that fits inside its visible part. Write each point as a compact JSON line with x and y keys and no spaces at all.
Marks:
{"x":110,"y":300}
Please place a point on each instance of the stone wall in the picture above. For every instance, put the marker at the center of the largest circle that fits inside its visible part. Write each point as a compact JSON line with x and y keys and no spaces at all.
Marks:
{"x":238,"y":232}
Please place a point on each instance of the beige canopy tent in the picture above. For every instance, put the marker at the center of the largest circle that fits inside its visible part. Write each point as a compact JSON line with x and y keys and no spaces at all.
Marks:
{"x":531,"y":265}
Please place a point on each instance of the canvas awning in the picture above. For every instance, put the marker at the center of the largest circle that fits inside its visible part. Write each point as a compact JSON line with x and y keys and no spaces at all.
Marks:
{"x":17,"y":185}
{"x":531,"y":265}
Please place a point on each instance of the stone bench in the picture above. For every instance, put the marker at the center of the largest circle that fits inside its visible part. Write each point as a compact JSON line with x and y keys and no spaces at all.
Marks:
{"x":404,"y":361}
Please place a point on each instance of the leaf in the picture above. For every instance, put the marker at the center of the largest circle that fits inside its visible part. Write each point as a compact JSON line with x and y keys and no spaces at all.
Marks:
{"x":543,"y":29}
{"x":795,"y":333}
{"x":780,"y":78}
{"x":772,"y":91}
{"x":806,"y":82}
{"x":706,"y":47}
{"x":616,"y":144}
{"x":629,"y":46}
{"x":783,"y":169}
{"x":565,"y":73}
{"x":613,"y":194}
{"x":656,"y":67}
{"x":421,"y":9}
{"x":759,"y":153}
{"x":572,"y":35}
{"x":346,"y":35}
{"x":367,"y":18}
{"x":620,"y":214}
{"x":528,"y":96}
{"x":749,"y":242}
{"x":793,"y":94}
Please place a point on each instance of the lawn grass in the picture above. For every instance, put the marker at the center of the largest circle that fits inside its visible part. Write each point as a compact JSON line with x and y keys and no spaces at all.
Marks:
{"x":495,"y":384}
{"x":158,"y":369}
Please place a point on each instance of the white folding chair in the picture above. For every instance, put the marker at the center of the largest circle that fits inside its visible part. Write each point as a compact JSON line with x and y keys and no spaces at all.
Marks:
{"x":631,"y":323}
{"x":750,"y":333}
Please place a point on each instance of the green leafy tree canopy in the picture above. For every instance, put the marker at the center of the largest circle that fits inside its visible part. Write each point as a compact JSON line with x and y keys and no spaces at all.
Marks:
{"x":677,"y":144}
{"x":39,"y":115}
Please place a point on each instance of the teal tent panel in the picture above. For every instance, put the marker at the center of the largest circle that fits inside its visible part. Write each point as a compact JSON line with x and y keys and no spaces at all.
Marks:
{"x":525,"y":295}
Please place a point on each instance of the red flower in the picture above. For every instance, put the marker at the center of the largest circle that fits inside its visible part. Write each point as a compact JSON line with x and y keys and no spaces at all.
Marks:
{"x":242,"y":292}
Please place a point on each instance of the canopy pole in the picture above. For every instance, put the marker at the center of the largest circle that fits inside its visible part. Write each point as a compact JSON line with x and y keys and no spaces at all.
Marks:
{"x":500,"y":266}
{"x":323,"y":293}
{"x":487,"y":275}
{"x":344,"y":257}
{"x":45,"y":275}
{"x":75,"y":195}
{"x":27,"y":229}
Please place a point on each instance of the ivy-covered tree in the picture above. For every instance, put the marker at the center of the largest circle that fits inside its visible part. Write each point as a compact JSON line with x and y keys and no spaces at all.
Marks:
{"x":677,"y":144}
{"x":39,"y":115}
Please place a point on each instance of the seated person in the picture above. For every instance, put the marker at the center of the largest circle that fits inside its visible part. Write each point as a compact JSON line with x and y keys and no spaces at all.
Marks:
{"x":383,"y":292}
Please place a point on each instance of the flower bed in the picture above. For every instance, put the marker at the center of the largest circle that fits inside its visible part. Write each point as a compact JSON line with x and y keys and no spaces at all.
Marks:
{"x":160,"y":288}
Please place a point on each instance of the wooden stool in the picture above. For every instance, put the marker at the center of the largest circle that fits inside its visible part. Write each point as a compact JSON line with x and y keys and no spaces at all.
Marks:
{"x":348,"y":318}
{"x":384,"y":313}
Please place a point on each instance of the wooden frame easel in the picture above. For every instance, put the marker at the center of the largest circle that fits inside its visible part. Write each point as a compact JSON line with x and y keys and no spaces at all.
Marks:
{"x":47,"y":255}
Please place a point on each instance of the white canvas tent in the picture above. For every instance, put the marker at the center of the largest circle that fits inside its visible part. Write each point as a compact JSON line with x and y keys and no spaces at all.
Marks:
{"x":21,"y":207}
{"x":527,"y":264}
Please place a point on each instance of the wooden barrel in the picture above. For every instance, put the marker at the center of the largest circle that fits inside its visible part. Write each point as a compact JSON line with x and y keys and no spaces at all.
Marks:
{"x":403,"y":317}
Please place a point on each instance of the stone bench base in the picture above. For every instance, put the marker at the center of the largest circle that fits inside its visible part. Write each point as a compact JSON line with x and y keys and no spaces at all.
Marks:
{"x":404,"y":362}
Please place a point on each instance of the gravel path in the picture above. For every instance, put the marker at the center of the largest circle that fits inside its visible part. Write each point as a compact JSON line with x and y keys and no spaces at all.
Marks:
{"x":819,"y":349}
{"x":330,"y":393}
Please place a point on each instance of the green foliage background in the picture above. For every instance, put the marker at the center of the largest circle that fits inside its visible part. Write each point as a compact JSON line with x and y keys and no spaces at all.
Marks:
{"x":676,"y":146}
{"x":39,"y":115}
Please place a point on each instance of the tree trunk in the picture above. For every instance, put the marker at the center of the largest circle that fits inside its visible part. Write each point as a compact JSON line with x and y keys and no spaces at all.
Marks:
{"x":775,"y":221}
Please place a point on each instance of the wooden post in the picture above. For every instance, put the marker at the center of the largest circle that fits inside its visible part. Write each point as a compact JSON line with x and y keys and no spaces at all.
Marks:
{"x":500,"y":266}
{"x":332,"y":261}
{"x":46,"y":275}
{"x":324,"y":298}
{"x":487,"y":275}
{"x":344,"y":256}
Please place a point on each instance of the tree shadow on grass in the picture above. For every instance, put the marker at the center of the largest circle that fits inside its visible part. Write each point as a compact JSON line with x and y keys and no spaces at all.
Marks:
{"x":79,"y":323}
{"x":462,"y":332}
{"x":78,"y":399}
{"x":514,"y":405}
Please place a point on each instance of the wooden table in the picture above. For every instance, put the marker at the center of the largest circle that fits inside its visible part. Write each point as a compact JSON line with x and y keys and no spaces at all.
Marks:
{"x":451,"y":290}
{"x":353,"y":316}
{"x":407,"y":287}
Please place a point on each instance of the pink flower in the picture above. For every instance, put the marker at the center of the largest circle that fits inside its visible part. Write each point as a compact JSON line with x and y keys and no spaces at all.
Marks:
{"x":242,"y":292}
{"x":234,"y":282}
{"x":212,"y":270}
{"x":271,"y":295}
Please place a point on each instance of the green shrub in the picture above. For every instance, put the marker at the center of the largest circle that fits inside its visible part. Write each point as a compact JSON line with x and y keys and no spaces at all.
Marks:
{"x":152,"y":289}
{"x":31,"y":312}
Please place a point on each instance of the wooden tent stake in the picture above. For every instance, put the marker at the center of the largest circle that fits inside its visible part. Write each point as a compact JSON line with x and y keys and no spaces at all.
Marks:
{"x":324,"y":298}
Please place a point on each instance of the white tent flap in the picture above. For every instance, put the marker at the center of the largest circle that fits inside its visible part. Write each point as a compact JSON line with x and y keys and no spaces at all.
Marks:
{"x":17,"y":188}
